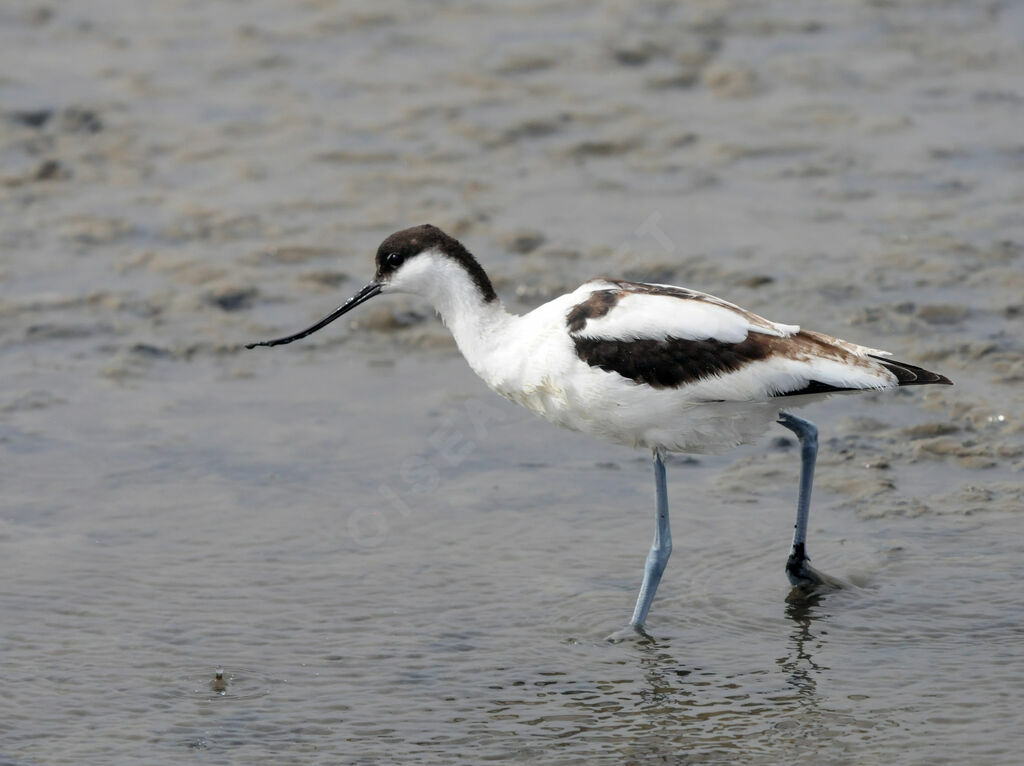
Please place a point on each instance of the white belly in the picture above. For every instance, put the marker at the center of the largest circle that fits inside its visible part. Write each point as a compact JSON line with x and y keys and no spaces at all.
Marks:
{"x":613,"y":408}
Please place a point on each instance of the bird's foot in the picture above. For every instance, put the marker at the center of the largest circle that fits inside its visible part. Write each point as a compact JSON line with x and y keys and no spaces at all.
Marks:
{"x":803,"y":576}
{"x":634,"y":633}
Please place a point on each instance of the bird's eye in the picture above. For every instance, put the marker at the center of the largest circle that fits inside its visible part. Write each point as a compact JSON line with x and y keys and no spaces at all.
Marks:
{"x":394,"y":260}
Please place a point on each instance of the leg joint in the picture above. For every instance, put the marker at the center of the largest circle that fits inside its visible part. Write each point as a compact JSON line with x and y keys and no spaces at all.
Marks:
{"x":657,"y":557}
{"x":805,"y":430}
{"x":662,"y":549}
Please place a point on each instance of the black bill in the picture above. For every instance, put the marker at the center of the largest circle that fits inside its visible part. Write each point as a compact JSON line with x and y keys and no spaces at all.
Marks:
{"x":362,"y":296}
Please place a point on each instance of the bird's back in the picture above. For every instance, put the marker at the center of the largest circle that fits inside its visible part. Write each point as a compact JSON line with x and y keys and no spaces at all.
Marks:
{"x":663,"y":366}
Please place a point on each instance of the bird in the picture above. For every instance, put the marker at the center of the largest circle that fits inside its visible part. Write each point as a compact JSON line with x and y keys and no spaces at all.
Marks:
{"x":646,"y":365}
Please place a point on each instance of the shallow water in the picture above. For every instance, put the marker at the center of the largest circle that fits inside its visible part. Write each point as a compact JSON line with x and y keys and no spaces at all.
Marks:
{"x":390,"y":563}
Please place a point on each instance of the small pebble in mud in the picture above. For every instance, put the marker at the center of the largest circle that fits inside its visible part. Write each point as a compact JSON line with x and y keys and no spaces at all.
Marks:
{"x":329,"y":279}
{"x":976,"y":461}
{"x":298,"y":254}
{"x":149,"y":351}
{"x":757,"y":280}
{"x":73,"y":119}
{"x":50,"y":170}
{"x":523,"y":242}
{"x":942,"y":313}
{"x":688,"y":460}
{"x":34,"y":118}
{"x":681,"y":80}
{"x":637,"y":52}
{"x":232,"y":298}
{"x":730,"y":80}
{"x":80,"y":120}
{"x":929,"y":430}
{"x":386,"y":319}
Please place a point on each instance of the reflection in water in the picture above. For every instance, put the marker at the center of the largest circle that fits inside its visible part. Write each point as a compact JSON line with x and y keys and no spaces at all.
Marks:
{"x":799,"y":666}
{"x":649,"y":702}
{"x":651,"y":705}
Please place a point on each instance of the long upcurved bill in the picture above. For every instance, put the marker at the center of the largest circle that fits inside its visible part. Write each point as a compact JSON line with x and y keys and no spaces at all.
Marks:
{"x":362,"y":296}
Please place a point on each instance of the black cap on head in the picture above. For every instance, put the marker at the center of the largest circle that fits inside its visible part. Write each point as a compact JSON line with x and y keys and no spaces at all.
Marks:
{"x":408,"y":243}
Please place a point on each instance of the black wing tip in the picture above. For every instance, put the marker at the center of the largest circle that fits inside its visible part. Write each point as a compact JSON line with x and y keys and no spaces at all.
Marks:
{"x":910,"y":374}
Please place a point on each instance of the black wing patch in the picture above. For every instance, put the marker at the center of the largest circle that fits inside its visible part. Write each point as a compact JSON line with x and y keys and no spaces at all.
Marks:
{"x":672,"y":362}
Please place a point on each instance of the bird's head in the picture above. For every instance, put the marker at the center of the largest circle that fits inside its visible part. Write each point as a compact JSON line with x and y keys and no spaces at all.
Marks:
{"x":421,"y":260}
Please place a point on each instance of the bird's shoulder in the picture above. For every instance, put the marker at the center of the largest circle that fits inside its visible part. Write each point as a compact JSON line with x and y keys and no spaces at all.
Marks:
{"x":619,"y":309}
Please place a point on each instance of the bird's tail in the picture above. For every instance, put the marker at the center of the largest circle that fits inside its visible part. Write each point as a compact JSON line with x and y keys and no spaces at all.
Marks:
{"x":911,"y":375}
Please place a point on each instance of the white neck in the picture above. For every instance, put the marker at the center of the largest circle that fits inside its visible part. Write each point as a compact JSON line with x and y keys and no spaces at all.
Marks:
{"x":475,"y":325}
{"x":474,"y":322}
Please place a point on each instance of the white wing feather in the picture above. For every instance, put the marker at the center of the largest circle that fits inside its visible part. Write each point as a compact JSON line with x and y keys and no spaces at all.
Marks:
{"x":644,"y":314}
{"x":683,"y":314}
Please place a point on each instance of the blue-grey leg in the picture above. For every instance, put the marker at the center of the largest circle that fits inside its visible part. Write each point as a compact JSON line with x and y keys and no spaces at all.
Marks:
{"x":798,"y":568}
{"x":661,"y":548}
